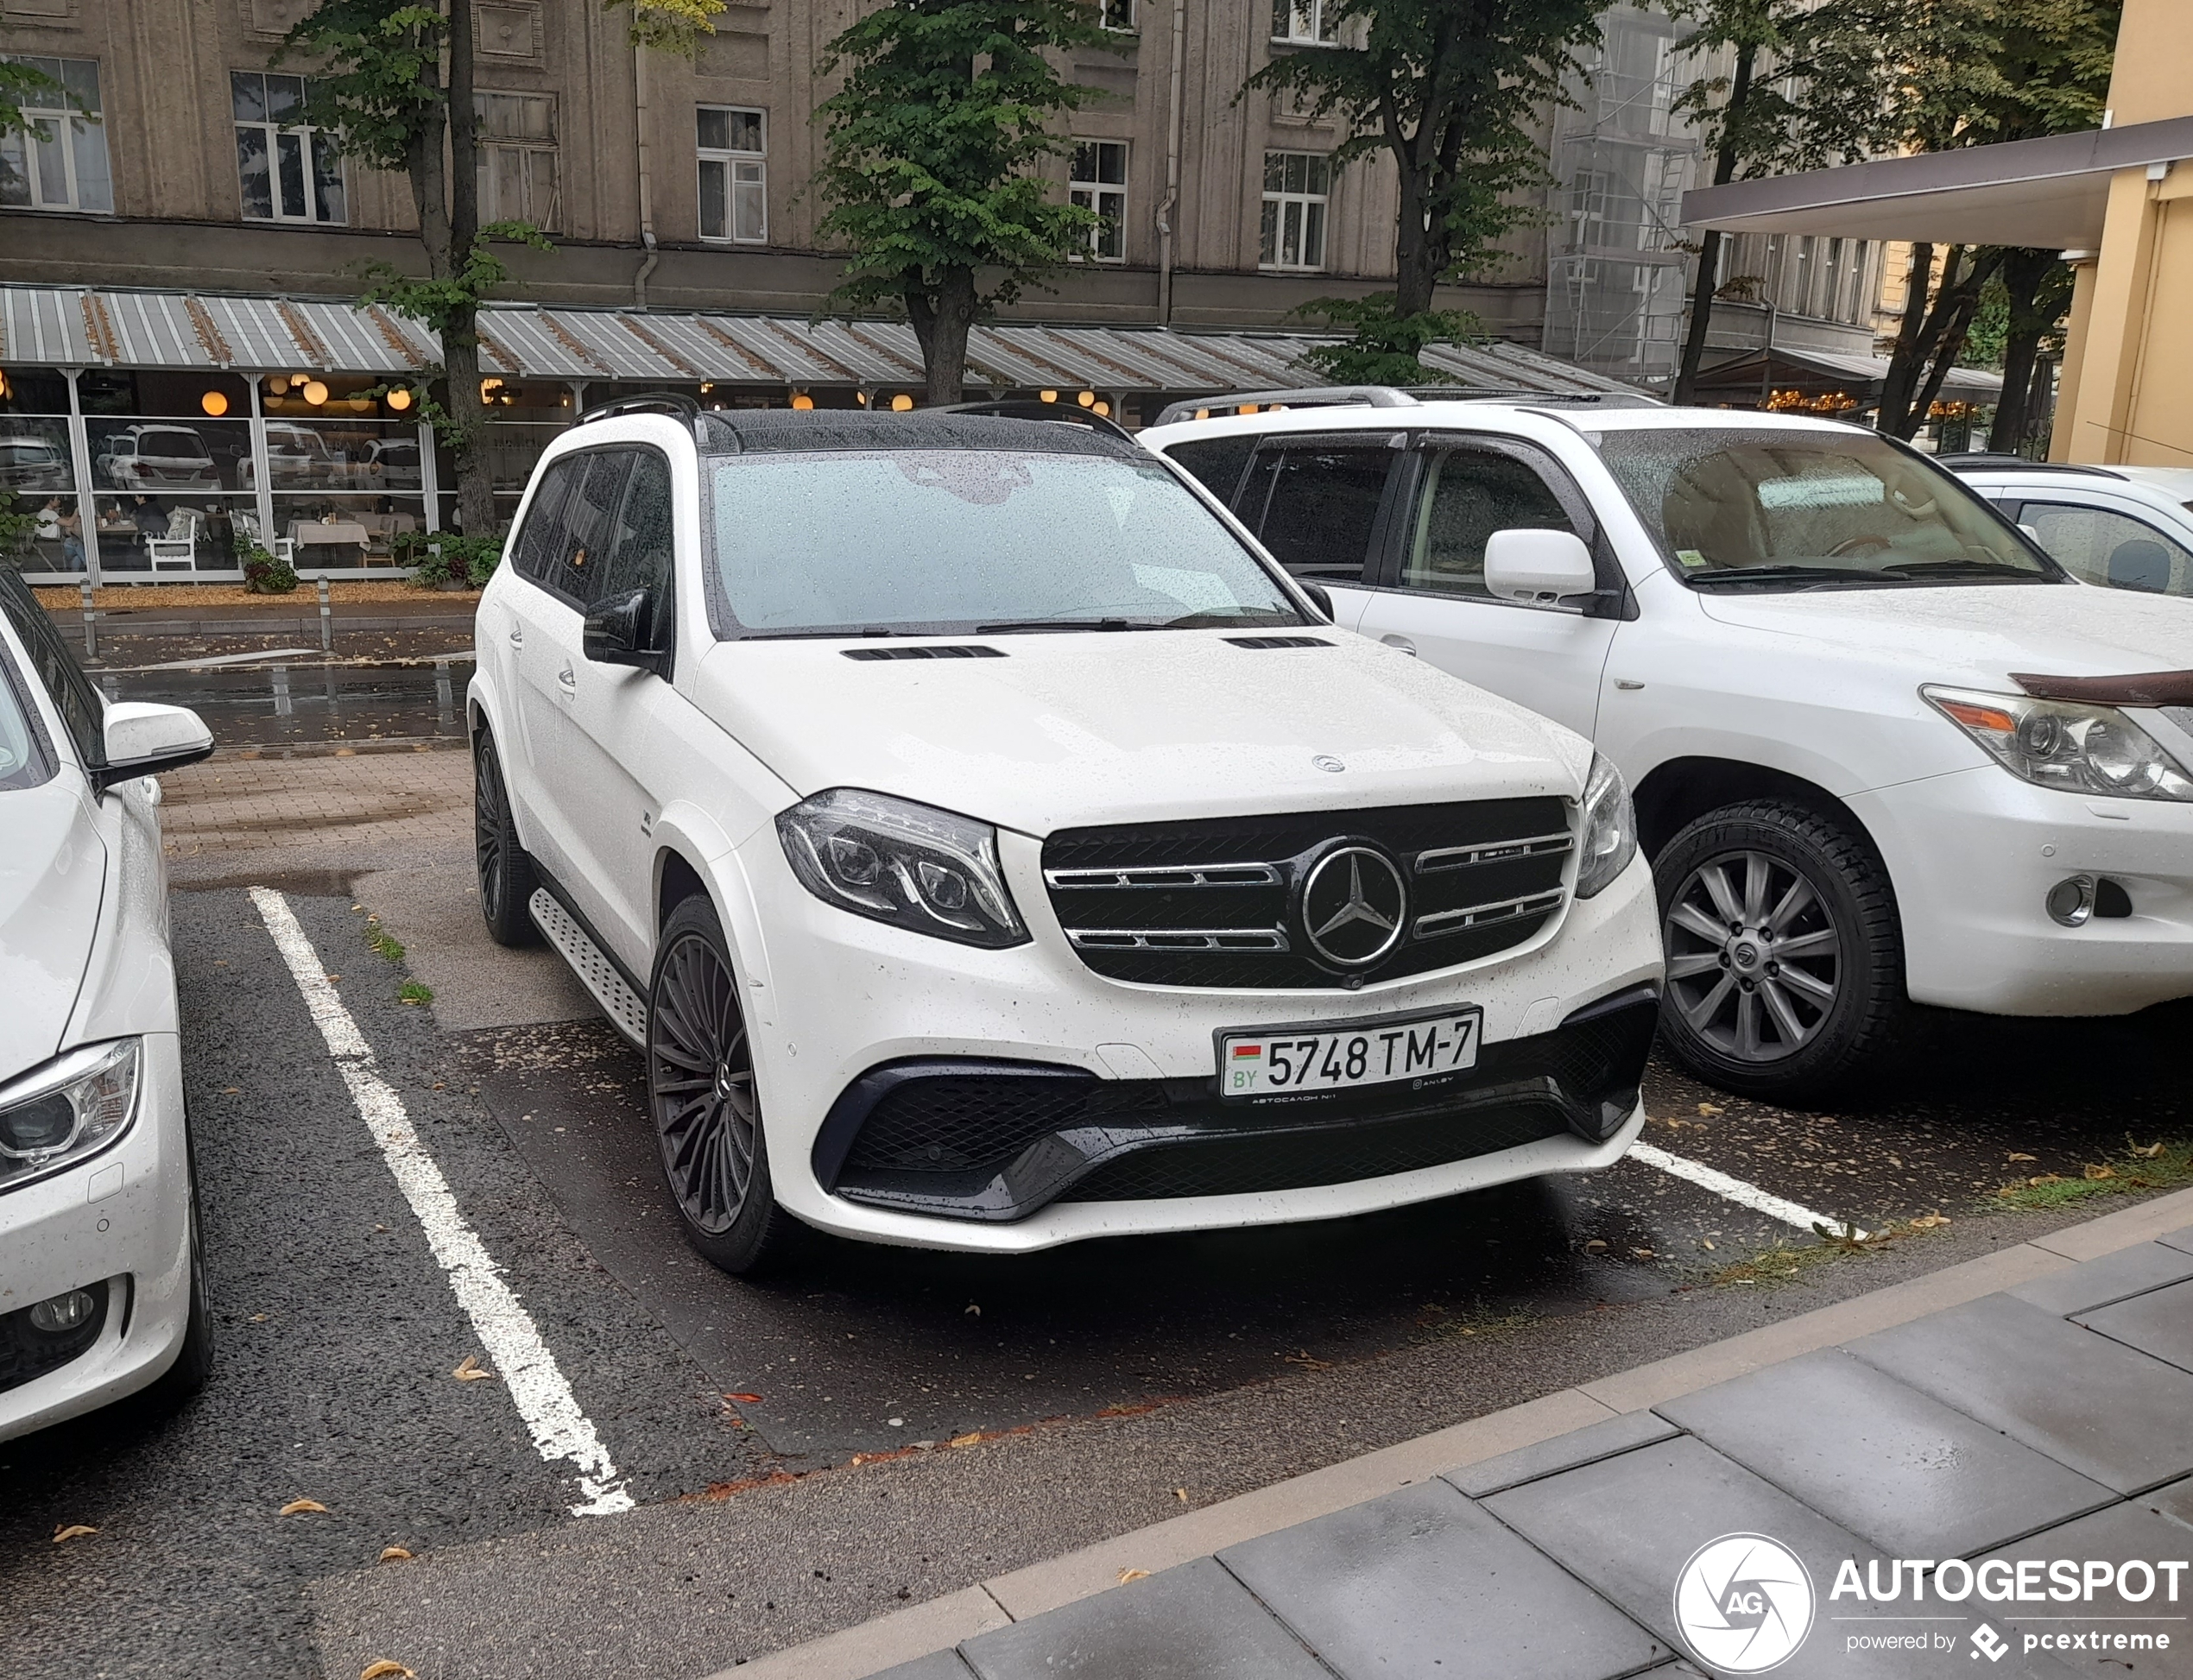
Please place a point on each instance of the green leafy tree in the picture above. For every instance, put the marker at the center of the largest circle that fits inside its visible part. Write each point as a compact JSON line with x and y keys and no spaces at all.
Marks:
{"x":931,"y":149}
{"x":1451,"y":90}
{"x":394,"y":80}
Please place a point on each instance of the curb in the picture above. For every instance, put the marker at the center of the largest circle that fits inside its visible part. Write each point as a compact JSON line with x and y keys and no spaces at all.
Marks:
{"x":856,"y":1652}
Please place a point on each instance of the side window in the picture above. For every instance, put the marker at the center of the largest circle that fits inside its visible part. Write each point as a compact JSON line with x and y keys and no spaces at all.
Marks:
{"x":1468,"y":494}
{"x":52,"y":664}
{"x":536,"y":549}
{"x":1216,"y":461}
{"x":2110,"y":549}
{"x":1314,"y":509}
{"x":587,"y":531}
{"x":639,"y":556}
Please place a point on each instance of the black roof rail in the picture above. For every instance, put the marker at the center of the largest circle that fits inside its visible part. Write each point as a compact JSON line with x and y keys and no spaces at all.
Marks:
{"x":1021,"y":407}
{"x":676,"y":404}
{"x":1981,"y":458}
{"x":1307,"y":396}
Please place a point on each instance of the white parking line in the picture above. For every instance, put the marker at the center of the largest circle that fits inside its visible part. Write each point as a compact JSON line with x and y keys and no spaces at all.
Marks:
{"x":1748,"y":1195}
{"x":528,"y":1370}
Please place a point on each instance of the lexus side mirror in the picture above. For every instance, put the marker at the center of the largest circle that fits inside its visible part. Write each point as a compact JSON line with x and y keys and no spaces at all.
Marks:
{"x":143,"y":739}
{"x":1538,"y":568}
{"x":619,"y":630}
{"x":1319,"y":597}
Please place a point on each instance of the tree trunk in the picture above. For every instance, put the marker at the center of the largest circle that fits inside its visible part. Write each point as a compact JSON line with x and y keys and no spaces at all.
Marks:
{"x":1897,"y":384}
{"x":942,"y":315}
{"x":1724,"y":171}
{"x":2025,"y":271}
{"x":1418,"y":257}
{"x":460,"y":336}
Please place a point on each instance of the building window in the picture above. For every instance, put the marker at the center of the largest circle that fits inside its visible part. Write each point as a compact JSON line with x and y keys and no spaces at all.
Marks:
{"x":60,"y":162}
{"x":1312,"y":23}
{"x":1297,"y":187}
{"x":517,"y":145}
{"x":1116,"y":14}
{"x":734,"y":182}
{"x":289,"y":170}
{"x":1099,"y":183}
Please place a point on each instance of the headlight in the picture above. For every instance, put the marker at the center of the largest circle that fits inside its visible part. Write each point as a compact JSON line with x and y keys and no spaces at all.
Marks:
{"x":910,"y":865}
{"x":1610,"y":829}
{"x":72,"y":1107}
{"x":2063,"y":744}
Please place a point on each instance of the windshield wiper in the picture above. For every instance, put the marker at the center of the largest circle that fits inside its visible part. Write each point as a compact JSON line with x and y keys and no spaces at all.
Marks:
{"x":843,"y":632}
{"x":1059,"y":624}
{"x":1816,"y":577}
{"x":1987,"y":569}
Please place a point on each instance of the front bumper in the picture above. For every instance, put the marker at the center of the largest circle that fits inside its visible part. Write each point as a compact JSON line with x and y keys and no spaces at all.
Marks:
{"x":120,"y":1219}
{"x":839,"y":997}
{"x":1972,"y":855}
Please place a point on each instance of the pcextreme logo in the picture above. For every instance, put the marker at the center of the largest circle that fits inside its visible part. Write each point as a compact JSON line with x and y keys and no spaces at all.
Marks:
{"x":1744,"y":1603}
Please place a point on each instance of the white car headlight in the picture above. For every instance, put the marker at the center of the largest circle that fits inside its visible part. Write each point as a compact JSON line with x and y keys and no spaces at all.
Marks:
{"x":72,"y":1107}
{"x":912,"y":865}
{"x":1610,"y":839}
{"x":2065,"y":744}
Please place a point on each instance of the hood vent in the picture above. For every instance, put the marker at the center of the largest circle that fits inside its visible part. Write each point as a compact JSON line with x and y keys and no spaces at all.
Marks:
{"x":932,"y":651}
{"x":1261,"y":642}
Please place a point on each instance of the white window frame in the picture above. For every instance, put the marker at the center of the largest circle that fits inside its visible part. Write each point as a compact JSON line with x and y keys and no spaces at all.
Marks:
{"x":1304,"y":22}
{"x":308,"y":140}
{"x":63,"y":128}
{"x":1311,"y":211}
{"x":742,"y":169}
{"x":489,"y":146}
{"x":1106,"y":199}
{"x":1116,"y":15}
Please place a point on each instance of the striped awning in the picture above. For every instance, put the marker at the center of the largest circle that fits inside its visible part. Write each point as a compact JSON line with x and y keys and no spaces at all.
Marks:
{"x":74,"y":326}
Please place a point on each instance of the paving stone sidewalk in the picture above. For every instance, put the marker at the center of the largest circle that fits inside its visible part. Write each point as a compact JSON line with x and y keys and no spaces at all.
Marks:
{"x":2053,"y":1421}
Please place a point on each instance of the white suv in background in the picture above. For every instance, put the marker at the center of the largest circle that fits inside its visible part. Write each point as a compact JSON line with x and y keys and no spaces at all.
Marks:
{"x":2121,"y":526}
{"x":1883,"y":749}
{"x":990,"y":848}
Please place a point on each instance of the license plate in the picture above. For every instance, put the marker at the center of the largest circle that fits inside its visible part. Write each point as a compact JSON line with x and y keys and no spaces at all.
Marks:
{"x":1303,"y":1059}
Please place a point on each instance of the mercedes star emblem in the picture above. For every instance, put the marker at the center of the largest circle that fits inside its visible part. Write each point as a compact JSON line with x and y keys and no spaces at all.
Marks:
{"x":1355,"y":906}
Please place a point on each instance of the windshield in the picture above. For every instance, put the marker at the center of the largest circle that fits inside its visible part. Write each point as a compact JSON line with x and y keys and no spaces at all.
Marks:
{"x":1753,"y":509}
{"x":17,"y":455}
{"x":951,"y":541}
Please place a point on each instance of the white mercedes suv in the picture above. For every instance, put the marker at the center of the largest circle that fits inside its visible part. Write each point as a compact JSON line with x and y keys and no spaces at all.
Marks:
{"x":990,"y":848}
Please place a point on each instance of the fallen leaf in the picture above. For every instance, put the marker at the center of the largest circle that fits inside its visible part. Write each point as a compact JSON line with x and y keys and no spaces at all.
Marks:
{"x":1126,"y":1576}
{"x":1594,"y":1244}
{"x":745,"y":1399}
{"x":232,"y":1091}
{"x":2015,"y":1156}
{"x":974,"y":1311}
{"x":471,"y":1370}
{"x":393,"y":1555}
{"x":1307,"y":1361}
{"x":258,"y":1317}
{"x":1896,"y":1161}
{"x":967,"y":1440}
{"x":1706,"y":1243}
{"x":385,"y":1670}
{"x":1180,"y":1493}
{"x":2047,"y":1178}
{"x":73,"y":1531}
{"x":296,"y":1506}
{"x":2146,"y":1151}
{"x":1642,"y":1253}
{"x":1711,"y":1109}
{"x":1927,"y":1222}
{"x":2098,"y":1173}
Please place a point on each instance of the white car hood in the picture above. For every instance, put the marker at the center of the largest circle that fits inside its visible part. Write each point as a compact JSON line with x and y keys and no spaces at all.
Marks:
{"x":1081,"y":727}
{"x":1980,"y":634}
{"x":53,"y":871}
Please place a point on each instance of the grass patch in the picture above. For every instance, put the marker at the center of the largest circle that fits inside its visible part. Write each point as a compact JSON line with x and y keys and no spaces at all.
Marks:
{"x":378,"y":937}
{"x":1782,"y":1263}
{"x":2136,"y":1167}
{"x":413,"y":991}
{"x":1436,"y":1323}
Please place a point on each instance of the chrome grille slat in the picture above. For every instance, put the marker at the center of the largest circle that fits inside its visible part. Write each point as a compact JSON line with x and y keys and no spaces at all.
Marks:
{"x":1157,"y":879}
{"x":1187,"y":939}
{"x":1480,"y":915}
{"x":1493,"y":851}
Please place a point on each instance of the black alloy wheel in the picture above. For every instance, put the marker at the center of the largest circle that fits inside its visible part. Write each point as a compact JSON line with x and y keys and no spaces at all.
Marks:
{"x":507,"y":879}
{"x":1784,"y":954}
{"x":702,"y":1095}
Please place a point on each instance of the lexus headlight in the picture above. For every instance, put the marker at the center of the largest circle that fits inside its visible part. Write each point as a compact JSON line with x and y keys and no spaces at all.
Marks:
{"x":1610,"y":829}
{"x":2063,"y":744}
{"x":910,"y":865}
{"x":72,"y":1107}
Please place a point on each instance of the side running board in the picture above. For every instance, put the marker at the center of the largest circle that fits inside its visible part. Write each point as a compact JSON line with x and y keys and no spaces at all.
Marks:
{"x":627,"y":1010}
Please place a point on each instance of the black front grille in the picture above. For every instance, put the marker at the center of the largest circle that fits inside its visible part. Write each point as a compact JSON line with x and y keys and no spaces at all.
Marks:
{"x":1215,"y":902}
{"x":28,"y":1353}
{"x":999,"y":1140}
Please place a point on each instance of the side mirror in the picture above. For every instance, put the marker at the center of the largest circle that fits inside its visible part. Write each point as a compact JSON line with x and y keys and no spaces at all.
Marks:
{"x":1538,"y":568}
{"x":1319,"y":597}
{"x":619,"y":630}
{"x":143,"y":739}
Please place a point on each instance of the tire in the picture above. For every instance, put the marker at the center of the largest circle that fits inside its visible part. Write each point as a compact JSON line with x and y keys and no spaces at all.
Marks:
{"x":507,"y":879}
{"x":194,"y":1361}
{"x":1785,"y":956}
{"x":703,"y":1100}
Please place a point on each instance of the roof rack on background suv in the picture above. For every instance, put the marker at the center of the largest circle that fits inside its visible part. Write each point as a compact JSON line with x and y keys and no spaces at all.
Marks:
{"x":1028,"y":408}
{"x":1981,"y":458}
{"x":676,"y":404}
{"x":1390,"y":396}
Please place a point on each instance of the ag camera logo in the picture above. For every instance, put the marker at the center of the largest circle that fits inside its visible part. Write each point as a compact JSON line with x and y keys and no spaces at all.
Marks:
{"x":1744,"y":1603}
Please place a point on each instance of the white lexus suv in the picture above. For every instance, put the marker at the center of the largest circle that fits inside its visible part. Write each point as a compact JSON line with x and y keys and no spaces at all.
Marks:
{"x":1884,"y":749}
{"x":990,"y":848}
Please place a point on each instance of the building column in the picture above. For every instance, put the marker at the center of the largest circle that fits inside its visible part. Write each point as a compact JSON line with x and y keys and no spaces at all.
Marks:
{"x":262,"y":471}
{"x":2106,"y":354}
{"x":79,"y":459}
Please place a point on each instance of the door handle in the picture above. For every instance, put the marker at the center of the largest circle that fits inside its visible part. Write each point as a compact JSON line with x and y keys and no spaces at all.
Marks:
{"x":567,"y":681}
{"x":517,"y":637}
{"x":1401,"y":644}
